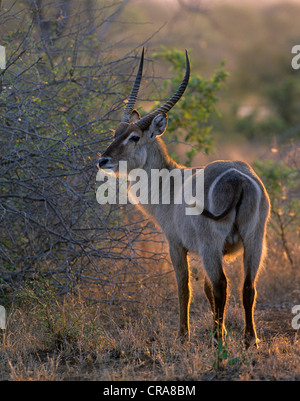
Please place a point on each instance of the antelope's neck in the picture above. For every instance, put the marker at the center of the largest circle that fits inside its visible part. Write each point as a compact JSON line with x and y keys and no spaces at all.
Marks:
{"x":157,"y":159}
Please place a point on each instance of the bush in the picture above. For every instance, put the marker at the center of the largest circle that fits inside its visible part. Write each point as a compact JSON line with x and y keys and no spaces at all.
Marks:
{"x":280,"y":180}
{"x":61,"y":89}
{"x":190,"y":118}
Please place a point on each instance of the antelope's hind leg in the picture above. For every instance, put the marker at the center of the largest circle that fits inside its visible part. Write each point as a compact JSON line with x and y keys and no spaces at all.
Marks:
{"x":209,"y":293}
{"x":215,"y":287}
{"x":253,"y":256}
{"x":249,"y":295}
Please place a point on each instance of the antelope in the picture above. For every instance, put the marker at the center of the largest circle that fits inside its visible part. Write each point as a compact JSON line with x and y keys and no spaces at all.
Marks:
{"x":234,"y":218}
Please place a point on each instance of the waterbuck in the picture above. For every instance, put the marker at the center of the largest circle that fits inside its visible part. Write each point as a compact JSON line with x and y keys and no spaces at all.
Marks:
{"x":236,"y":210}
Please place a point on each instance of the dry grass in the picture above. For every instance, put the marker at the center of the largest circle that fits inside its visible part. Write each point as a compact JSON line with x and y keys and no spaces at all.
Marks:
{"x":71,"y":339}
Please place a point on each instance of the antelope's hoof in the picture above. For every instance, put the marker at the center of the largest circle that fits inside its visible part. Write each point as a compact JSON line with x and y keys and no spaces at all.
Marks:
{"x":250,"y":341}
{"x":183,"y":337}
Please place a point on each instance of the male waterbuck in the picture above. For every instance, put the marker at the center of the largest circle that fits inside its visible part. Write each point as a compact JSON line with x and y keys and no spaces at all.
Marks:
{"x":236,"y":210}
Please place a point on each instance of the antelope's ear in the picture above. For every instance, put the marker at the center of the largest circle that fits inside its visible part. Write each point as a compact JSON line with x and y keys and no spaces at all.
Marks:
{"x":135,"y":116}
{"x":158,"y":126}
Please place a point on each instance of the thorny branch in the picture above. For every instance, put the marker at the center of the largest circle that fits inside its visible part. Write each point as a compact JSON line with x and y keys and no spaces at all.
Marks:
{"x":62,"y":91}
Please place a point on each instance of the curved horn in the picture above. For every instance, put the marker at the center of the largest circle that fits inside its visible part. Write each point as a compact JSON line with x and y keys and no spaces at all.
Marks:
{"x":134,"y":92}
{"x":146,"y":121}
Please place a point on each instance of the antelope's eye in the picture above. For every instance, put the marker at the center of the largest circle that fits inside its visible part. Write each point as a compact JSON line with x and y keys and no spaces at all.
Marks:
{"x":134,"y":138}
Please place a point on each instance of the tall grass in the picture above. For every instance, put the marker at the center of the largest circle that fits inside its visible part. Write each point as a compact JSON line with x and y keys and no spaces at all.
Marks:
{"x":54,"y":338}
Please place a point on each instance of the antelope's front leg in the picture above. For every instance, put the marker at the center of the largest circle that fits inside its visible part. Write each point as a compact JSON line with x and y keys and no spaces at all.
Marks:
{"x":178,"y":256}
